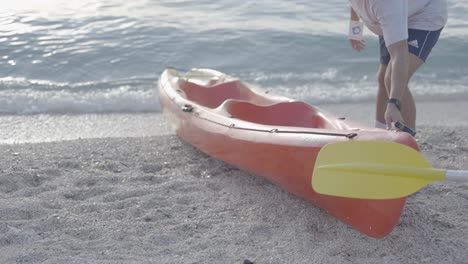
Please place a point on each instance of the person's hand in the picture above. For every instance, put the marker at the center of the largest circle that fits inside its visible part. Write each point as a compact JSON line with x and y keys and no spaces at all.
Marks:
{"x":392,"y":115}
{"x":357,"y":45}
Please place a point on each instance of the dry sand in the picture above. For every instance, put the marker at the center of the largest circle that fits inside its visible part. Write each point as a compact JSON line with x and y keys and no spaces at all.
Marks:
{"x":159,"y":200}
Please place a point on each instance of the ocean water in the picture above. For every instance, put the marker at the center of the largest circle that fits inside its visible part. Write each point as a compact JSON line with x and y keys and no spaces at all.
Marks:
{"x":104,"y":57}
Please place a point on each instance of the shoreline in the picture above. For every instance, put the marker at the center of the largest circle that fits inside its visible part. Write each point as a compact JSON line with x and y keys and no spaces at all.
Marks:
{"x":17,"y":129}
{"x":157,"y":199}
{"x":444,"y":113}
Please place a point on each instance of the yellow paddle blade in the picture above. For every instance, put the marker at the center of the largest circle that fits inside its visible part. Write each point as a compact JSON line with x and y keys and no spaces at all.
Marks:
{"x":371,"y":170}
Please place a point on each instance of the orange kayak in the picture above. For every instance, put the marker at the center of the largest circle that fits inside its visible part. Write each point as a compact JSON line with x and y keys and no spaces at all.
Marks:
{"x":274,"y":137}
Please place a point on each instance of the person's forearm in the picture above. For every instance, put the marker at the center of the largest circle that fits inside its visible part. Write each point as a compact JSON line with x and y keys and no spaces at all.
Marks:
{"x":400,"y":64}
{"x":353,"y":15}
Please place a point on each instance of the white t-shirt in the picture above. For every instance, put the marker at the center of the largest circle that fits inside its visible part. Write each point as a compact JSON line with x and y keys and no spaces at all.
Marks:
{"x":392,"y":18}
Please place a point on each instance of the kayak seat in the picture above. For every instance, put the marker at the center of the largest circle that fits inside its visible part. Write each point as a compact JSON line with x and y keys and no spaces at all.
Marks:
{"x":297,"y":114}
{"x":214,"y":96}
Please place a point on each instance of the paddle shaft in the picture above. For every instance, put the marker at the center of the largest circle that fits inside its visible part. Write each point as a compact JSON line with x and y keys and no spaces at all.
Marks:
{"x":387,"y":170}
{"x":457,"y":175}
{"x":451,"y":175}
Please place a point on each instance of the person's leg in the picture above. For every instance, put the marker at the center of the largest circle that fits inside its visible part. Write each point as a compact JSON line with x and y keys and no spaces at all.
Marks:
{"x":408,"y":106}
{"x":420,"y":44}
{"x":407,"y":102}
{"x":382,"y":97}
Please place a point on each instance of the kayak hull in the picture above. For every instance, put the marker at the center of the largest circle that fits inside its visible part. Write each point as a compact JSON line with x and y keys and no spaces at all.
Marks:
{"x":266,"y":135}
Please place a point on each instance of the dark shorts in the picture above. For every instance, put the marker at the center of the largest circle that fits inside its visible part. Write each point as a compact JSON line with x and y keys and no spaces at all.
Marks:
{"x":420,"y":43}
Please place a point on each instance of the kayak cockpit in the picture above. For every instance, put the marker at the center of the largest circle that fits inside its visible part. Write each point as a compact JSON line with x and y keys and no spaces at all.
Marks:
{"x":239,"y":102}
{"x":214,"y":96}
{"x":293,"y":114}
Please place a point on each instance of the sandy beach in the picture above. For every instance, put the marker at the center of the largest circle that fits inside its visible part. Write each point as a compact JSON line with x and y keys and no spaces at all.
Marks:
{"x":159,"y":200}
